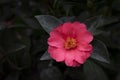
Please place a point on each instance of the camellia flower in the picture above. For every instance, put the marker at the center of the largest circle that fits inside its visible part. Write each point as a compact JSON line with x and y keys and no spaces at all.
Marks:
{"x":70,"y":43}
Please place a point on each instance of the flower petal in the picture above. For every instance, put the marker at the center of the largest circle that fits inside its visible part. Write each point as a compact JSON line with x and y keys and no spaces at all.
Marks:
{"x":56,"y":40}
{"x":79,"y":27}
{"x":67,"y":27}
{"x":85,"y":47}
{"x":81,"y":56}
{"x":69,"y":58}
{"x":85,"y":37}
{"x":88,"y":37}
{"x":75,"y":64}
{"x":67,"y":30}
{"x":56,"y":53}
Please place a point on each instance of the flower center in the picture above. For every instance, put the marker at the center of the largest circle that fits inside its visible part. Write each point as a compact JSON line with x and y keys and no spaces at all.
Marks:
{"x":70,"y":43}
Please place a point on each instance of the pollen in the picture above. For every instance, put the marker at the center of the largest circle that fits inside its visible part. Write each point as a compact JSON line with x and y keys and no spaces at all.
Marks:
{"x":70,"y":43}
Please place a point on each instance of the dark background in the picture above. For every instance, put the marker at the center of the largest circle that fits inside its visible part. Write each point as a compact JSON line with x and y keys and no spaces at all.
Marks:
{"x":23,"y":41}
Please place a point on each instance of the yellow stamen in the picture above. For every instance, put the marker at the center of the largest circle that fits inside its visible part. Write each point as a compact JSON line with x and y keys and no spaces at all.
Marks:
{"x":70,"y":43}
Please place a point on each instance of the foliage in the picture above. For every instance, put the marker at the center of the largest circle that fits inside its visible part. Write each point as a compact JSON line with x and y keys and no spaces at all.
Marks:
{"x":23,"y":39}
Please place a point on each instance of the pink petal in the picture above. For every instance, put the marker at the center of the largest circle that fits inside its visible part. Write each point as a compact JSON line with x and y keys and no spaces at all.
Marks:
{"x":81,"y":57}
{"x":85,"y":37}
{"x":58,"y":28}
{"x":57,"y":53}
{"x":69,"y":57}
{"x":79,"y":27}
{"x":56,"y":40}
{"x":84,"y":47}
{"x":67,"y":27}
{"x":67,"y":30}
{"x":88,"y":37}
{"x":82,"y":35}
{"x":75,"y":64}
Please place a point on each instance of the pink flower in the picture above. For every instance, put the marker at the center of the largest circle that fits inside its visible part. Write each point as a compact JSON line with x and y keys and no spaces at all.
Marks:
{"x":70,"y":43}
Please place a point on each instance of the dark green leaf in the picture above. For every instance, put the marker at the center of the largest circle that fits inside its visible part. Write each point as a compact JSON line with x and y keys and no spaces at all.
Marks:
{"x":18,"y":48}
{"x":45,"y":56}
{"x":1,"y":56}
{"x":67,"y":19}
{"x":3,"y":26}
{"x":118,"y":76}
{"x":31,"y":22}
{"x":83,"y":16}
{"x":116,"y":5}
{"x":93,"y":72}
{"x":48,"y":22}
{"x":51,"y":73}
{"x":14,"y":60}
{"x":95,"y":24}
{"x":12,"y":76}
{"x":1,"y":68}
{"x":15,"y":47}
{"x":90,"y":4}
{"x":75,"y":73}
{"x":26,"y":60}
{"x":100,"y":52}
{"x":39,"y":45}
{"x":10,"y":41}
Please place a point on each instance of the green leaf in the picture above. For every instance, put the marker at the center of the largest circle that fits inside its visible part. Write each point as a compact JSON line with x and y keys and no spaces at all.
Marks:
{"x":90,"y":4}
{"x":15,"y":47}
{"x":39,"y":45}
{"x":47,"y":74}
{"x":26,"y":60}
{"x":45,"y":56}
{"x":1,"y":68}
{"x":115,"y":5}
{"x":48,"y":22}
{"x":13,"y":76}
{"x":67,"y":19}
{"x":93,"y":72}
{"x":96,"y":23}
{"x":31,"y":22}
{"x":10,"y":41}
{"x":100,"y":51}
{"x":75,"y":73}
{"x":2,"y":26}
{"x":83,"y":16}
{"x":17,"y":50}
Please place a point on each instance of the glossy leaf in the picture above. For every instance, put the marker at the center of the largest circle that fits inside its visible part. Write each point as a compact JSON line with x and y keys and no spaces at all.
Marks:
{"x":12,"y":76}
{"x":45,"y":56}
{"x":1,"y":69}
{"x":48,"y":22}
{"x":67,"y":19}
{"x":31,"y":22}
{"x":2,"y":26}
{"x":96,"y":23}
{"x":10,"y":41}
{"x":100,"y":51}
{"x":75,"y":73}
{"x":15,"y":47}
{"x":50,"y":73}
{"x":93,"y":72}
